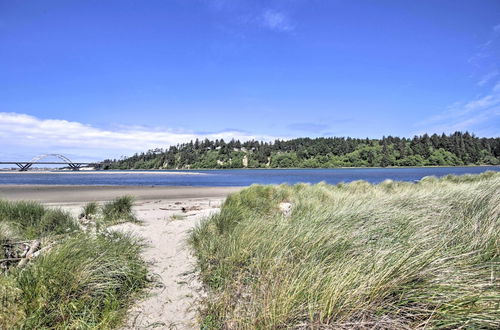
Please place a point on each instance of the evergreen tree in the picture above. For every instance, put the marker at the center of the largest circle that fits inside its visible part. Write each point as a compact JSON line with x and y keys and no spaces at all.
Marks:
{"x":455,"y":149}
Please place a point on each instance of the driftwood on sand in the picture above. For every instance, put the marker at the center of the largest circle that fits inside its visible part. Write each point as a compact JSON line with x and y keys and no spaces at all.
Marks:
{"x":18,"y":253}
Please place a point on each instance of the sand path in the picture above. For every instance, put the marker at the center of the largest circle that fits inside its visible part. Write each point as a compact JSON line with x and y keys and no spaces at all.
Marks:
{"x":171,"y":303}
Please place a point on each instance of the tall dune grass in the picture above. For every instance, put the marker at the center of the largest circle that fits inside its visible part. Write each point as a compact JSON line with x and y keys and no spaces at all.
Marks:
{"x":33,"y":220}
{"x":393,"y":255}
{"x":81,"y":281}
{"x":118,"y":211}
{"x":84,"y":283}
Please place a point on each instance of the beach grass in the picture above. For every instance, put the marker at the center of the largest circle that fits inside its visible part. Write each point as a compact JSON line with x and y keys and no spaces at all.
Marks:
{"x":81,"y":280}
{"x":32,"y":220}
{"x":395,"y":255}
{"x":90,"y":210}
{"x":118,"y":211}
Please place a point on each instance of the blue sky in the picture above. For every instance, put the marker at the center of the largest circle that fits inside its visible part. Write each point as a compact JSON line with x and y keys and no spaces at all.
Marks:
{"x":95,"y":79}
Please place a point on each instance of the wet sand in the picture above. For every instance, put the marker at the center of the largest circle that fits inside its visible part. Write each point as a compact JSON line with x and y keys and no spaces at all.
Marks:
{"x":67,"y":194}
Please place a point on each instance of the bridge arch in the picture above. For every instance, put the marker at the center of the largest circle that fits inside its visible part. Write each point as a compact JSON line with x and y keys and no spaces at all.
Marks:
{"x":75,"y":166}
{"x":61,"y":157}
{"x":24,"y":166}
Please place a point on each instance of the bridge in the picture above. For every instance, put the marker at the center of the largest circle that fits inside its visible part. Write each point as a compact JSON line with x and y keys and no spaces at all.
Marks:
{"x":24,"y":166}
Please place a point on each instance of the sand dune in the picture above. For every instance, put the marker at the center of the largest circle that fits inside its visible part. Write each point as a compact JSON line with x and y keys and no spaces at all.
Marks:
{"x":172,"y":301}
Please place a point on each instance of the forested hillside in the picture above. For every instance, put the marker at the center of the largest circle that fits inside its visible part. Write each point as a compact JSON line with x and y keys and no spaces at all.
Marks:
{"x":454,"y":149}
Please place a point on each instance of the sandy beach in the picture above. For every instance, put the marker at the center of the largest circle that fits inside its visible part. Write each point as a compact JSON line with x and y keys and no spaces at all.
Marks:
{"x":172,"y":301}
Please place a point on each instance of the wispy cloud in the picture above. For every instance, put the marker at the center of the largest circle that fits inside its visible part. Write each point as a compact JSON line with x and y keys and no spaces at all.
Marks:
{"x":486,"y":78}
{"x":276,"y":21}
{"x":481,"y":116}
{"x":487,"y":55}
{"x":24,"y":134}
{"x":272,"y":16}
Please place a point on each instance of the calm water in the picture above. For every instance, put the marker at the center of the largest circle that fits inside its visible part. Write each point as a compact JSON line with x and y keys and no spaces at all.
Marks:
{"x":235,"y":177}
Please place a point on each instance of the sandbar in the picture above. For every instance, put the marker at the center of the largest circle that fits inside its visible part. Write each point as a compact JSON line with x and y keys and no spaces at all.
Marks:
{"x":62,"y":194}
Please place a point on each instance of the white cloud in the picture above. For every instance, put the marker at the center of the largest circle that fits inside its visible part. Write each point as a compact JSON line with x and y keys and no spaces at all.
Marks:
{"x":277,"y":21}
{"x":24,"y":135}
{"x":488,"y":77}
{"x":249,"y":13}
{"x":488,"y":51}
{"x":480,"y":116}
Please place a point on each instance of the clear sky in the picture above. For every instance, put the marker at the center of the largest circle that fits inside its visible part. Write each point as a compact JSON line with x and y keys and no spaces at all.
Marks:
{"x":103,"y":78}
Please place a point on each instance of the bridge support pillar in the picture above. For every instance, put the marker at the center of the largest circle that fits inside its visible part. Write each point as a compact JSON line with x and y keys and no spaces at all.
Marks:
{"x":25,"y":167}
{"x":75,"y":166}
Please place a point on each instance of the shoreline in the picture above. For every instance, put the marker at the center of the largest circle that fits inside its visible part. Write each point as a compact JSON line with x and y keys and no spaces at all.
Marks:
{"x":70,"y":194}
{"x":200,"y":171}
{"x":159,"y":172}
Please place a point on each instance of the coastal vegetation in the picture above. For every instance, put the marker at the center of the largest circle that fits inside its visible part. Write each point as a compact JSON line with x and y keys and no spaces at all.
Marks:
{"x":436,"y":150}
{"x":79,"y":278}
{"x":110,"y":213}
{"x":395,"y":255}
{"x":119,"y":210}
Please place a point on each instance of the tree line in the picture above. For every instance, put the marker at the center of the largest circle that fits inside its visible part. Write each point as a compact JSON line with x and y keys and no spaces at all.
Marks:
{"x":455,"y":149}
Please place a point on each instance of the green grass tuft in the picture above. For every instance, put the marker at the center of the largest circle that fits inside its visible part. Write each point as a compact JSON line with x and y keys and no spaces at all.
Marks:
{"x":90,"y":210}
{"x":33,"y":220}
{"x":119,"y":211}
